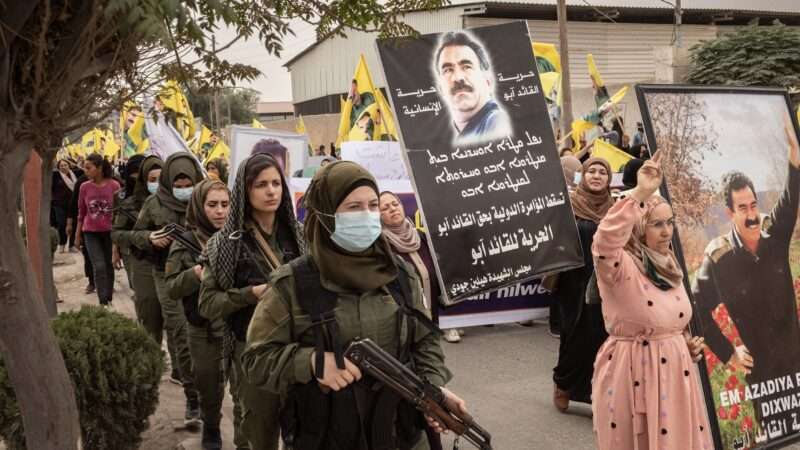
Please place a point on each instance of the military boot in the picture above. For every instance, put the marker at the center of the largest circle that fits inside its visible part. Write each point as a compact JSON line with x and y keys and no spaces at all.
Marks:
{"x":212,"y":438}
{"x":192,"y":418}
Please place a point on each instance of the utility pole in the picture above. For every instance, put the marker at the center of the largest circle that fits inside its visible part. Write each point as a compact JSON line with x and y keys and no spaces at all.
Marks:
{"x":566,"y":91}
{"x":678,"y":22}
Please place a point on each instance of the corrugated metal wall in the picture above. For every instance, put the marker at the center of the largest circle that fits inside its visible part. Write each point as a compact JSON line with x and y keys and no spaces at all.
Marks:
{"x":328,"y":68}
{"x":624,"y":52}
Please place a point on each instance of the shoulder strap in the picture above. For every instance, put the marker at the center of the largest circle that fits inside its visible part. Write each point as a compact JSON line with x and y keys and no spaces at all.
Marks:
{"x":319,"y":303}
{"x":400,"y":289}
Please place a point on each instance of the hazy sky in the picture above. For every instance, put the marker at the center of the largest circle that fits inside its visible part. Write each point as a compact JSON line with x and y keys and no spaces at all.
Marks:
{"x":274,"y":84}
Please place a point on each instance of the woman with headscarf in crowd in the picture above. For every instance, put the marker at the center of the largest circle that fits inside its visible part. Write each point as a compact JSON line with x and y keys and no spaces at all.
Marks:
{"x":645,"y":388}
{"x":582,"y":329}
{"x":261,"y":234}
{"x":63,"y":186}
{"x":125,"y":215}
{"x":141,"y":260}
{"x":354,"y":287}
{"x":181,"y":172}
{"x":412,"y":245}
{"x":217,"y":169}
{"x":207,"y":212}
{"x":95,"y":213}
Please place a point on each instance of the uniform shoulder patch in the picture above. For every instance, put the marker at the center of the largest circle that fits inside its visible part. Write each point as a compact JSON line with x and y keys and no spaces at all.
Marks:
{"x":718,"y":247}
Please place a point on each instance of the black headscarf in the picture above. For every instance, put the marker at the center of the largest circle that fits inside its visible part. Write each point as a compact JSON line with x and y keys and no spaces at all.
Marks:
{"x":181,"y":163}
{"x":223,"y":252}
{"x":131,"y":168}
{"x":149,"y":163}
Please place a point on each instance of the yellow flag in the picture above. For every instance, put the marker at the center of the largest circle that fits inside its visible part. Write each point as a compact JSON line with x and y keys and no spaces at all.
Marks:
{"x":257,"y":124}
{"x":220,"y":150}
{"x":91,"y":141}
{"x":344,"y":120}
{"x":593,"y":72}
{"x":300,"y":128}
{"x":579,"y":128}
{"x":619,"y":95}
{"x":548,"y":52}
{"x":136,"y":131}
{"x":203,"y":140}
{"x":387,"y":125}
{"x":616,"y":158}
{"x":550,"y":80}
{"x":111,"y":148}
{"x":172,"y":97}
{"x":360,"y":101}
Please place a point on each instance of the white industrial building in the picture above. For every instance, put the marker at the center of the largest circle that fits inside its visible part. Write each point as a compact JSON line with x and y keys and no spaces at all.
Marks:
{"x":632,"y":41}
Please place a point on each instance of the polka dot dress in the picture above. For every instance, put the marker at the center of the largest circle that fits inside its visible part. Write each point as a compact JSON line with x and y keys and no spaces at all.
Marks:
{"x":645,"y":390}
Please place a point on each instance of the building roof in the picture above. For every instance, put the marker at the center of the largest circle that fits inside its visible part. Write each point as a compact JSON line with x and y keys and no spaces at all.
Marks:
{"x":274,"y":108}
{"x":642,"y":11}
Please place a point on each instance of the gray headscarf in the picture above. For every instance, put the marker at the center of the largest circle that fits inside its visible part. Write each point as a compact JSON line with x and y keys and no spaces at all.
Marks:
{"x":223,"y":252}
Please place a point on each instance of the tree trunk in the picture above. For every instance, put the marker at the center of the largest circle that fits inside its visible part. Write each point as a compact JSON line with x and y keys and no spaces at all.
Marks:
{"x":28,"y":345}
{"x":48,"y":285}
{"x":566,"y":86}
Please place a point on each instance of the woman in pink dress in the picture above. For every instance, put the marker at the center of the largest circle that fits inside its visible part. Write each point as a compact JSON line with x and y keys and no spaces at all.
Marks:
{"x":645,"y":391}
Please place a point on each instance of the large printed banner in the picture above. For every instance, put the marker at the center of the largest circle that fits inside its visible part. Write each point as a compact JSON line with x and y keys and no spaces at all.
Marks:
{"x":482,"y":156}
{"x":731,"y":165}
{"x":291,"y":149}
{"x":515,"y":303}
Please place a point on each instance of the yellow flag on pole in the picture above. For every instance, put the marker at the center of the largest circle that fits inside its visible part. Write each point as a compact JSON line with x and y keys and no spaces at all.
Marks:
{"x":344,"y":120}
{"x":548,"y":52}
{"x":257,"y":124}
{"x":221,"y":150}
{"x":616,"y":158}
{"x":300,"y":128}
{"x":593,"y":72}
{"x":111,"y":148}
{"x":387,"y":125}
{"x":172,"y":97}
{"x":579,"y":128}
{"x":203,"y":141}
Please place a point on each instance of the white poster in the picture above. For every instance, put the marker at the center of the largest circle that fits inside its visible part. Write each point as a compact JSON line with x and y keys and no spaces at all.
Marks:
{"x":383,"y":159}
{"x":245,"y":140}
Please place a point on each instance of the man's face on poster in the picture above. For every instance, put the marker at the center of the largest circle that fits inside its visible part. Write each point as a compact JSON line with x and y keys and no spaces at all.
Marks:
{"x":745,"y":215}
{"x":464,"y":85}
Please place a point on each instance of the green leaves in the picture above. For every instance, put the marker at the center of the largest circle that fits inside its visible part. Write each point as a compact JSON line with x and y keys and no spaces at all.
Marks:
{"x":751,"y":56}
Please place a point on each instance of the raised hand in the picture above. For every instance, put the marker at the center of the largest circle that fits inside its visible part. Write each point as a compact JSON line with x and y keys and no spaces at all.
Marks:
{"x":649,"y":178}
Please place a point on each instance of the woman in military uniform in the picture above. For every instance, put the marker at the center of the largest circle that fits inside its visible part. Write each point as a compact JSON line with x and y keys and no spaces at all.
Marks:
{"x":328,"y":404}
{"x":260,"y":235}
{"x":168,"y":205}
{"x":206,"y":214}
{"x":138,"y":262}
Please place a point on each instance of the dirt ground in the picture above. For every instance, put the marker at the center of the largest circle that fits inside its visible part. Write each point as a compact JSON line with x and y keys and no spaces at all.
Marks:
{"x":166,"y":425}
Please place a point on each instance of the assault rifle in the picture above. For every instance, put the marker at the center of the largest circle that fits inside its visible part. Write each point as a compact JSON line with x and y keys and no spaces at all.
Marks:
{"x":176,"y":231}
{"x":426,"y":397}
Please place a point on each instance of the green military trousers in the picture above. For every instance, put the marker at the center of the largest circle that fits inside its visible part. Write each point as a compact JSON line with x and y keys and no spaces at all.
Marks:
{"x":175,"y":325}
{"x":205,"y":346}
{"x":148,"y":308}
{"x":259,"y":408}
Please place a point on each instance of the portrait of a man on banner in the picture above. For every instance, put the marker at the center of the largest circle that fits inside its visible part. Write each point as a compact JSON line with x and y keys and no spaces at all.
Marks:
{"x":466,"y":83}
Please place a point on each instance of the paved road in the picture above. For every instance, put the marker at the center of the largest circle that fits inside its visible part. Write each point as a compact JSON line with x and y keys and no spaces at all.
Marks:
{"x":505,"y":374}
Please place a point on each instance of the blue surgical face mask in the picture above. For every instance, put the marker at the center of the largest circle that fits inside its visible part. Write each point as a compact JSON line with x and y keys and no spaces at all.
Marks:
{"x":356,"y":231}
{"x":182,"y":194}
{"x":152,"y":187}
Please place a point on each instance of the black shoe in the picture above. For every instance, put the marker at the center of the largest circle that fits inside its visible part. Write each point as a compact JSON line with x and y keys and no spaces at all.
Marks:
{"x":192,"y":417}
{"x":175,"y":378}
{"x":212,"y":438}
{"x":89,"y":289}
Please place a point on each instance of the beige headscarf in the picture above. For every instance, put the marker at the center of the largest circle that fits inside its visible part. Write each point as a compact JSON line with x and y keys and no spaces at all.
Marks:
{"x":663,"y":270}
{"x":591,"y":205}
